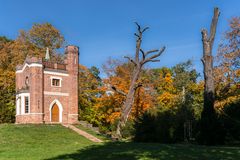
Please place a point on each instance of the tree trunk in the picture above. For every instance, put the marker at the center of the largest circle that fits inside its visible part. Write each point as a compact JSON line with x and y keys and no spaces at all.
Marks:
{"x":209,"y":124}
{"x":138,"y":64}
{"x":209,"y":89}
{"x":127,"y":106}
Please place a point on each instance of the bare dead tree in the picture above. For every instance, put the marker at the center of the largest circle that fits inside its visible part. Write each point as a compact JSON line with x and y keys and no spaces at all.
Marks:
{"x":209,"y":88}
{"x":207,"y":59}
{"x":138,"y":62}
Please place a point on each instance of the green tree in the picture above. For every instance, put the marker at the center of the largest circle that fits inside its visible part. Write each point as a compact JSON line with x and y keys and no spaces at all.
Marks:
{"x":7,"y":98}
{"x":89,"y":82}
{"x":45,"y":35}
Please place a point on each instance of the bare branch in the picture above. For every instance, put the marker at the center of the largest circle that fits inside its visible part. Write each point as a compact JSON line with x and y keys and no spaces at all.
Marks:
{"x":151,"y":51}
{"x":146,"y":28}
{"x":156,"y":60}
{"x":118,"y":91}
{"x":136,"y":35}
{"x":154,"y":56}
{"x":138,"y":43}
{"x":214,"y":24}
{"x":131,"y":60}
{"x":143,"y":53}
{"x":139,"y":27}
{"x":203,"y":61}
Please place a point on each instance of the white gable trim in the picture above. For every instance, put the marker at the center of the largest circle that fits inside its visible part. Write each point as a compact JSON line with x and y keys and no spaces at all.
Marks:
{"x":59,"y":107}
{"x":29,"y":65}
{"x":56,"y":73}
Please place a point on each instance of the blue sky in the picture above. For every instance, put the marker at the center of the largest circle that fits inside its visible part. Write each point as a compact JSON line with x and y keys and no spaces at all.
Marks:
{"x":105,"y":28}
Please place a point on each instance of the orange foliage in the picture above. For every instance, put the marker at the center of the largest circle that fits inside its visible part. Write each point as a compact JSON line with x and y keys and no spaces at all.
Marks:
{"x":120,"y":78}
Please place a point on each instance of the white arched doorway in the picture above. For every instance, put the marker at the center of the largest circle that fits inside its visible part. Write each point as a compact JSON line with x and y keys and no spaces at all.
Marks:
{"x":56,"y":107}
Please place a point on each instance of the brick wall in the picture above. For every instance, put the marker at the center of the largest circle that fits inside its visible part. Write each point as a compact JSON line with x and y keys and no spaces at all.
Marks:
{"x":43,"y":95}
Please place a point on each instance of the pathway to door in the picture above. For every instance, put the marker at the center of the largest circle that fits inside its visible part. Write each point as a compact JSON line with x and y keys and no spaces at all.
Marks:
{"x":83,"y":133}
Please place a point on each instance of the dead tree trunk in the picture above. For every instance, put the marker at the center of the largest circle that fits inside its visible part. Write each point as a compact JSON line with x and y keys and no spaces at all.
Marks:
{"x":138,"y":62}
{"x":208,"y":114}
{"x":207,"y":59}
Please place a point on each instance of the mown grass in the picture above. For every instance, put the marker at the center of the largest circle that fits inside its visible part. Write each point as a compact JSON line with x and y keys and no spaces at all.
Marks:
{"x":56,"y":142}
{"x":38,"y":141}
{"x":152,"y":151}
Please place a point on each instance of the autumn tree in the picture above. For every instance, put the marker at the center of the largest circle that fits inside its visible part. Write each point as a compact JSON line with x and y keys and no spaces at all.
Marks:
{"x":119,"y":76}
{"x":29,"y":43}
{"x":7,"y":98}
{"x":140,"y":59}
{"x":176,"y":109}
{"x":167,"y":94}
{"x":89,"y":83}
{"x":14,"y":52}
{"x":45,"y":35}
{"x":227,"y":79}
{"x":227,"y":70}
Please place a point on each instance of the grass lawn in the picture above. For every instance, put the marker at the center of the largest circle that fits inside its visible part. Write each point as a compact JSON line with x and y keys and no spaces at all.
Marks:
{"x":56,"y":142}
{"x":38,"y":141}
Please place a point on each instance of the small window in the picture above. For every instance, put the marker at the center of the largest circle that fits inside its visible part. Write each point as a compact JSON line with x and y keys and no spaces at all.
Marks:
{"x":55,"y":82}
{"x":27,"y":81}
{"x":26,"y":104}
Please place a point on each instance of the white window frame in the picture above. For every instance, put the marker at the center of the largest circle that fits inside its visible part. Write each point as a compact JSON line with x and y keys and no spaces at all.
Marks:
{"x":28,"y":108}
{"x":20,"y":103}
{"x":60,"y":81}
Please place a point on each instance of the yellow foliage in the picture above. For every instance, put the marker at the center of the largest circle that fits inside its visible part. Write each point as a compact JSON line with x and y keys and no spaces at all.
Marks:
{"x":221,"y":104}
{"x":112,"y":117}
{"x":168,"y":78}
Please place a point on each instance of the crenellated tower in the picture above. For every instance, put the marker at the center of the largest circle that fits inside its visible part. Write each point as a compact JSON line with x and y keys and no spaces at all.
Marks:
{"x":72,"y":59}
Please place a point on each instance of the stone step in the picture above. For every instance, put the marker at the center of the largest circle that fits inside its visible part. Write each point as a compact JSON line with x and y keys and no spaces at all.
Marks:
{"x":90,"y":126}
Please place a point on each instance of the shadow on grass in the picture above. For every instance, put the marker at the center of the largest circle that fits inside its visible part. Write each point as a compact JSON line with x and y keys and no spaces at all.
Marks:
{"x":133,"y":151}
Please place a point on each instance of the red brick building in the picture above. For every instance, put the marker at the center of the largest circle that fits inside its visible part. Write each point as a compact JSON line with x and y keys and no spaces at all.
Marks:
{"x":47,"y":92}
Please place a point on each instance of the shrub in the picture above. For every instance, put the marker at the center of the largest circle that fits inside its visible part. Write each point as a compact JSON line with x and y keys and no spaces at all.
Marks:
{"x":164,"y":127}
{"x":231,"y":120}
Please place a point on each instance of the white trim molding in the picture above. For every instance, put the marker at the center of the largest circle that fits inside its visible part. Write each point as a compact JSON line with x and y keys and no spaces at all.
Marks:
{"x":30,"y":114}
{"x":36,"y":113}
{"x":55,"y":93}
{"x":59,"y":107}
{"x":55,"y":73}
{"x":29,"y":65}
